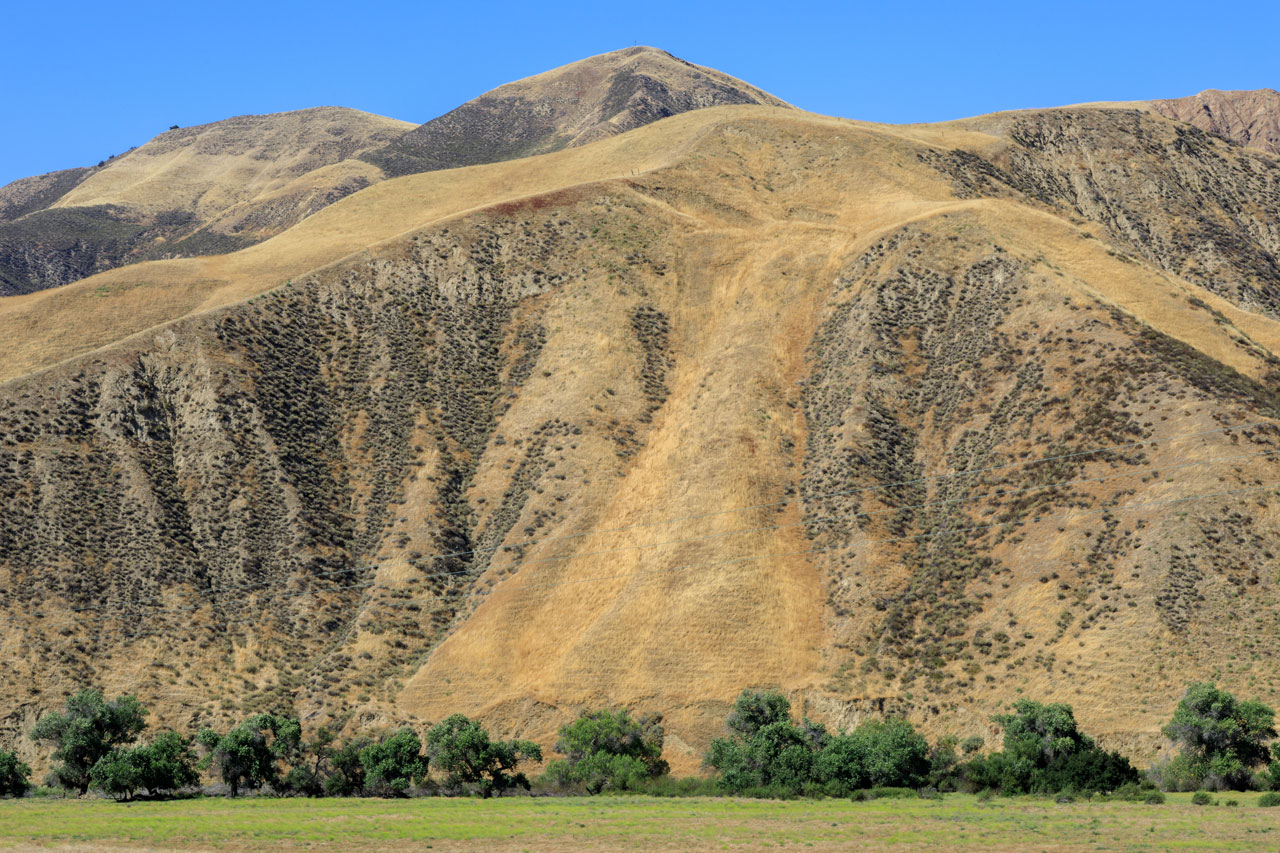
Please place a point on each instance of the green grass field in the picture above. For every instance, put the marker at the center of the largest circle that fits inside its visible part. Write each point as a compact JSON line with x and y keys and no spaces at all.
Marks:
{"x":637,"y":823}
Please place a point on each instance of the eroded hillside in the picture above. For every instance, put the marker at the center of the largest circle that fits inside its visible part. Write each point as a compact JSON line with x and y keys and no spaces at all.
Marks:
{"x":893,"y":419}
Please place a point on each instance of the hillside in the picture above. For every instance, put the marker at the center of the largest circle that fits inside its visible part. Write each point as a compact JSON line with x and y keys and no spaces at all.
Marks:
{"x":216,"y":188}
{"x":592,"y":99}
{"x":897,"y":419}
{"x":1250,"y":118}
{"x":190,"y":191}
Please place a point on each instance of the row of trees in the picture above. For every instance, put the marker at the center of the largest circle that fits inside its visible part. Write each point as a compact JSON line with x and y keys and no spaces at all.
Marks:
{"x":1223,"y":744}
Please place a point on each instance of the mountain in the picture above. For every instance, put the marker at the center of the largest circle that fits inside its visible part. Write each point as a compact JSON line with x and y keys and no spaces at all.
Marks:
{"x":1248,"y":117}
{"x":190,"y":191}
{"x":220,"y":187}
{"x":896,"y":419}
{"x":569,"y":106}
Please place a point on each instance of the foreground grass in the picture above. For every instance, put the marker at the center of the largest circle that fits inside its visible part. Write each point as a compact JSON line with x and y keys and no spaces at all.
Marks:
{"x":635,"y":823}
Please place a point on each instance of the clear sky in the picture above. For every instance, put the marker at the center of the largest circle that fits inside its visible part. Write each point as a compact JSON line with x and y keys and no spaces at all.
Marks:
{"x":82,"y":81}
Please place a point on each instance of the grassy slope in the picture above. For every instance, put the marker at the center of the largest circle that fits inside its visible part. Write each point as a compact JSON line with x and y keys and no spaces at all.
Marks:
{"x":762,"y":221}
{"x":611,"y":823}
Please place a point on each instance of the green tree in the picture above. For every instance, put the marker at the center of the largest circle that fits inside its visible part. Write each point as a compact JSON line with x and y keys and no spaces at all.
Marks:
{"x":896,"y":754}
{"x":89,"y":728}
{"x":249,"y":755}
{"x":346,"y":772}
{"x":15,"y":776}
{"x":118,"y":774}
{"x":168,"y":763}
{"x":1222,"y":738}
{"x":462,"y":749}
{"x":311,"y":765}
{"x":755,"y":709}
{"x":609,"y":750}
{"x":162,"y":766}
{"x":1045,"y":752}
{"x":392,"y":765}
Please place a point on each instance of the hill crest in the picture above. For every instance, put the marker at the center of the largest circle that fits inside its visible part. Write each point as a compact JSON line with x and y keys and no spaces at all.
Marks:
{"x":565,"y":107}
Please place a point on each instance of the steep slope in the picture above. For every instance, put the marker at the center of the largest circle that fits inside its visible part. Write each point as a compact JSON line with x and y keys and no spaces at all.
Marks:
{"x":190,"y":191}
{"x":1250,"y":118}
{"x":895,"y":419}
{"x":569,"y":106}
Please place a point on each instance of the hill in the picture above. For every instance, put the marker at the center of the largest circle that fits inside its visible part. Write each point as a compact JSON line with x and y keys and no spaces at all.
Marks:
{"x":189,"y":191}
{"x":220,"y":187}
{"x":897,"y":419}
{"x":1248,"y":117}
{"x":569,"y":106}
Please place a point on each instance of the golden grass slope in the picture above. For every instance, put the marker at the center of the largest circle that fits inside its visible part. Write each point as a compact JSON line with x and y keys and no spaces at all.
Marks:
{"x":837,"y":317}
{"x":218,"y":171}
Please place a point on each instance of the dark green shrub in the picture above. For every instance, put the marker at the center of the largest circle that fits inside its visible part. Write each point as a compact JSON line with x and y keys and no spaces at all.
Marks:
{"x":770,"y":751}
{"x":1045,"y":752}
{"x":345,"y":777}
{"x":1269,"y":779}
{"x":15,"y":776}
{"x":1269,"y":799}
{"x":117,"y":774}
{"x":1155,"y":798}
{"x":167,"y":764}
{"x":1201,"y":798}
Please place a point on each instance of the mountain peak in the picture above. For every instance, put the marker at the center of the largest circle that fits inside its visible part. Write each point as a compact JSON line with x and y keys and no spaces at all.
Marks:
{"x":572,"y":105}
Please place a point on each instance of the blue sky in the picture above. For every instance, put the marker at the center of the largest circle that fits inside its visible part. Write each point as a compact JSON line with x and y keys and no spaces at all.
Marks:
{"x":83,"y":81}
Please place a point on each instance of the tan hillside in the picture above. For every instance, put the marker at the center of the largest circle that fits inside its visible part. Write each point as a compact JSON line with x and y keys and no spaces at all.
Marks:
{"x":896,"y":419}
{"x":1249,"y":117}
{"x":220,"y":187}
{"x":573,"y":105}
{"x":192,"y":191}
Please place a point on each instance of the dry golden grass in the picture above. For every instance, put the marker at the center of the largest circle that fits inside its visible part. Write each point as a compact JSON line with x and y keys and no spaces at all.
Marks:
{"x":762,"y":208}
{"x":212,"y":168}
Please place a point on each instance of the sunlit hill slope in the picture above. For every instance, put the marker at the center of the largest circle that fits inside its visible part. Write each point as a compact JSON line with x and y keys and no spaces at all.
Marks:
{"x":896,"y":419}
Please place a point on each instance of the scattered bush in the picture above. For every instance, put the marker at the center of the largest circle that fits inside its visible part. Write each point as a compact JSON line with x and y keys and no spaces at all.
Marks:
{"x":1269,"y":799}
{"x":1201,"y":798}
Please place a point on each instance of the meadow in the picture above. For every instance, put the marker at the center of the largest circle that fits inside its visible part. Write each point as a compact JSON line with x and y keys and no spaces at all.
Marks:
{"x":637,"y":823}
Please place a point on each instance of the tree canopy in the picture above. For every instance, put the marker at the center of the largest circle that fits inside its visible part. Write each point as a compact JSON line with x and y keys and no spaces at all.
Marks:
{"x":87,"y":730}
{"x":609,"y":750}
{"x":463,"y":749}
{"x":1222,"y":738}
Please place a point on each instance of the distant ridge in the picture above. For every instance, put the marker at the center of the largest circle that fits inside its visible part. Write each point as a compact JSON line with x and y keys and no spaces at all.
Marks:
{"x":1250,"y":117}
{"x":208,"y":189}
{"x":568,"y":106}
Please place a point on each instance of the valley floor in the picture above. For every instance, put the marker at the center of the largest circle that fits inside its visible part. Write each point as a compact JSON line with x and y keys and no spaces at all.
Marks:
{"x":636,"y":823}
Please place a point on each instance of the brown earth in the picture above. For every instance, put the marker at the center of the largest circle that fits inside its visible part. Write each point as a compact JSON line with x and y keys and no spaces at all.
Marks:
{"x":897,"y":419}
